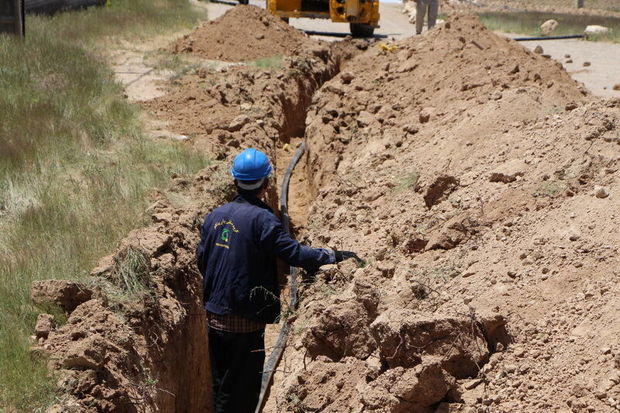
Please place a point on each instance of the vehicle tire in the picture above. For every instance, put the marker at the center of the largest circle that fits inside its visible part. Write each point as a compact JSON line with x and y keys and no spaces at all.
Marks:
{"x":361,"y":30}
{"x":245,"y":2}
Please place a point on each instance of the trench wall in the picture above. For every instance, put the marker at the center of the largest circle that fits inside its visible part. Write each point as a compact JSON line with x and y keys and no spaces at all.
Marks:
{"x":145,"y":349}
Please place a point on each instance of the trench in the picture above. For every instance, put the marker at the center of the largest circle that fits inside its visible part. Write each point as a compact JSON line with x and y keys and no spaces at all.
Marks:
{"x":182,"y":371}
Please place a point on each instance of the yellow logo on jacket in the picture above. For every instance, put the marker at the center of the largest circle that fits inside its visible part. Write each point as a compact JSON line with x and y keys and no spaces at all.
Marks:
{"x":226,"y":234}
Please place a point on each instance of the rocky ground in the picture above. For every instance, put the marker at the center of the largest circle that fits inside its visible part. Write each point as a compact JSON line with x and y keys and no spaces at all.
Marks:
{"x":476,"y":178}
{"x":476,"y":194}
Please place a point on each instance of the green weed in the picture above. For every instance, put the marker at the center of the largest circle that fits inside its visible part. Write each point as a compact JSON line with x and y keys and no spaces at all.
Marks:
{"x":550,"y":188}
{"x":270,"y":63}
{"x":408,"y":182}
{"x":75,"y":170}
{"x":133,"y":272}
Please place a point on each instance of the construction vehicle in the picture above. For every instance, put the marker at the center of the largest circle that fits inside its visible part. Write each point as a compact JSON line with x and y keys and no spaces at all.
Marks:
{"x":362,"y":15}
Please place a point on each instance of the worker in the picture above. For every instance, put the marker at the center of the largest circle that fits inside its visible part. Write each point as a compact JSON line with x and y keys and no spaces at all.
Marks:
{"x":237,"y":258}
{"x":422,"y":6}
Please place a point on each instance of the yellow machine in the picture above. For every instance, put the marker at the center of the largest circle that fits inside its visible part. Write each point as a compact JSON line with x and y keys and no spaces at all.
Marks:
{"x":362,"y":15}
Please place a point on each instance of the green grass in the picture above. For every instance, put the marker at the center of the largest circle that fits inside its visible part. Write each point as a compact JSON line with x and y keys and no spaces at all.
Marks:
{"x":408,"y":182}
{"x":269,"y":63}
{"x":75,"y":170}
{"x":551,"y":188}
{"x":528,"y":23}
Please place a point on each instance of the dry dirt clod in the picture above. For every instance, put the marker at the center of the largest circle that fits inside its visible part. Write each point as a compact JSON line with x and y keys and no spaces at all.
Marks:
{"x":538,"y":49}
{"x":45,"y":323}
{"x":238,"y":123}
{"x":399,"y":334}
{"x":425,"y":114}
{"x":509,"y":171}
{"x":586,"y":64}
{"x":347,"y":77}
{"x":342,"y":331}
{"x":441,"y":187}
{"x":66,"y":294}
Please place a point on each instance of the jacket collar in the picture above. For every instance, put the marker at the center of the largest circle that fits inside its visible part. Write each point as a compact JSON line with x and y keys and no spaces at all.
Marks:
{"x":253,"y":200}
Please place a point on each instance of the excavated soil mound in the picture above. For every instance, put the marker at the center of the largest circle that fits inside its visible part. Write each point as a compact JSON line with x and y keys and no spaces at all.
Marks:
{"x":243,"y":33}
{"x":480,"y":184}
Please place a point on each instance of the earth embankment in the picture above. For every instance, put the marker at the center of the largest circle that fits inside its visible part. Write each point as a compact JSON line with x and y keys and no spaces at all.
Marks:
{"x":473,"y":175}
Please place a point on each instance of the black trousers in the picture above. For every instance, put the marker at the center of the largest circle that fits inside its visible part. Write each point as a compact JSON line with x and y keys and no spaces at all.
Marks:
{"x":236,"y":367}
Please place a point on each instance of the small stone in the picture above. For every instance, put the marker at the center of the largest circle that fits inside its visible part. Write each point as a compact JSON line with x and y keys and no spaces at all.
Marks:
{"x":595,"y":29}
{"x":570,"y":106}
{"x":365,"y":118}
{"x":574,"y":236}
{"x":538,"y":50}
{"x":616,"y":86}
{"x":569,"y":61}
{"x":238,"y":123}
{"x":425,"y":114}
{"x":347,"y":77}
{"x":470,"y":384}
{"x":586,"y":64}
{"x":567,"y":56}
{"x":411,"y":128}
{"x":548,"y":27}
{"x":260,"y":36}
{"x":511,"y":368}
{"x":601,"y":192}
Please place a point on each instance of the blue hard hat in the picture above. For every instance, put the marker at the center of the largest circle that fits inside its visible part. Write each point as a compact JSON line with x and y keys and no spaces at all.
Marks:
{"x":251,"y":165}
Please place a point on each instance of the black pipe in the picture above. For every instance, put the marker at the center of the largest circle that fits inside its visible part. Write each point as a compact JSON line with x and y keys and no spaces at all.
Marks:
{"x":278,"y":350}
{"x":570,"y":36}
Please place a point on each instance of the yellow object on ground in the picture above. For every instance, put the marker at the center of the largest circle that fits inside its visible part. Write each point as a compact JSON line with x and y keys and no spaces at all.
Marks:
{"x":388,"y":47}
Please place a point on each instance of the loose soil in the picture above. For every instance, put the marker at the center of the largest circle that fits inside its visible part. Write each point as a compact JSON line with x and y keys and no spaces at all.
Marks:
{"x":471,"y":192}
{"x":243,"y":33}
{"x":476,"y":178}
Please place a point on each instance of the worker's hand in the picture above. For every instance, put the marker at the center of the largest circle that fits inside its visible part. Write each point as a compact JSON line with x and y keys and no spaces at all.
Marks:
{"x":343,"y":255}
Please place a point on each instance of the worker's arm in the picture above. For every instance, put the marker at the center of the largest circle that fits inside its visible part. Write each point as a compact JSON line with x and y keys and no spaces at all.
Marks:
{"x":201,"y":251}
{"x":274,"y":237}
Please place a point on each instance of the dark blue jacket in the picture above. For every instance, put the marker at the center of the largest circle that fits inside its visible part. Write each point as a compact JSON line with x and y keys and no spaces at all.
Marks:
{"x":237,"y":258}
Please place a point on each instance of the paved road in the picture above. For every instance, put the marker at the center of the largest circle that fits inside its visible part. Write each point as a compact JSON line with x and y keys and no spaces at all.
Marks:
{"x":600,"y":77}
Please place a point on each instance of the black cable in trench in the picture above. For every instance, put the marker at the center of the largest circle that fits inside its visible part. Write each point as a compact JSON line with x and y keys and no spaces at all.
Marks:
{"x":275,"y":356}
